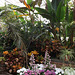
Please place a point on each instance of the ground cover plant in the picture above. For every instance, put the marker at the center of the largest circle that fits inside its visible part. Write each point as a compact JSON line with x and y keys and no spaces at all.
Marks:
{"x":14,"y":60}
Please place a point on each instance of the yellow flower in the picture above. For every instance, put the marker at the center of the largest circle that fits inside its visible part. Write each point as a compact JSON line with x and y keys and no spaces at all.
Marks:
{"x":11,"y":7}
{"x":57,"y":29}
{"x":34,"y":52}
{"x":5,"y":52}
{"x":29,"y":54}
{"x":14,"y":12}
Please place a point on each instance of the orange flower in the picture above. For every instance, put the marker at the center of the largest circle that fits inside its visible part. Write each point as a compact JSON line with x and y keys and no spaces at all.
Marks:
{"x":14,"y":66}
{"x":19,"y":67}
{"x":54,"y":41}
{"x":15,"y":49}
{"x":23,"y":15}
{"x":28,"y":6}
{"x":5,"y":52}
{"x":57,"y":29}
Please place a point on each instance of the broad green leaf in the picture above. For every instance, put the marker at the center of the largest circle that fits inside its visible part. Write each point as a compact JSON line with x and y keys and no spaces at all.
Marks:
{"x":51,"y":11}
{"x":71,"y":16}
{"x":55,"y":4}
{"x":44,"y":13}
{"x":47,"y":16}
{"x":29,"y":1}
{"x":41,"y":11}
{"x":49,"y":6}
{"x":65,"y":1}
{"x":66,"y":17}
{"x":60,"y":12}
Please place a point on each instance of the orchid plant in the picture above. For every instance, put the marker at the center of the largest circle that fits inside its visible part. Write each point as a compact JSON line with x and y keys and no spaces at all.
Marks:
{"x":47,"y":63}
{"x":43,"y":69}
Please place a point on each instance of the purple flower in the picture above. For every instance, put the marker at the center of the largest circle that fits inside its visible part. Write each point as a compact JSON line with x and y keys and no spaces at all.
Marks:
{"x":34,"y":73}
{"x":26,"y":73}
{"x":45,"y":73}
{"x":40,"y":71}
{"x":29,"y":71}
{"x":53,"y":73}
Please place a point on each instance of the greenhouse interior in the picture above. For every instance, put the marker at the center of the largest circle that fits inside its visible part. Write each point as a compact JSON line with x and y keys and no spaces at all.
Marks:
{"x":37,"y":37}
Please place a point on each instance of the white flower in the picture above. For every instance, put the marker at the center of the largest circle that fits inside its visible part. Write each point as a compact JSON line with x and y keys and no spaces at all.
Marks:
{"x":40,"y":68}
{"x":21,"y":73}
{"x":18,"y":71}
{"x":59,"y":74}
{"x":58,"y":70}
{"x":22,"y":70}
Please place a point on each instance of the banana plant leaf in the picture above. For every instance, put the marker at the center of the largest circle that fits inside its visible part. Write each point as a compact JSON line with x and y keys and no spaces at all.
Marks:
{"x":49,"y":6}
{"x":55,"y":4}
{"x":29,"y":1}
{"x":40,"y":10}
{"x":44,"y":13}
{"x":60,"y":12}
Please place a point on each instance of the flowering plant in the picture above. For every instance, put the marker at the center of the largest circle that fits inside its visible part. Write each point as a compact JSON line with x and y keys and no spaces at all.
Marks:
{"x":33,"y":52}
{"x":47,"y":62}
{"x":5,"y":52}
{"x":40,"y":72}
{"x":13,"y":60}
{"x":46,"y":69}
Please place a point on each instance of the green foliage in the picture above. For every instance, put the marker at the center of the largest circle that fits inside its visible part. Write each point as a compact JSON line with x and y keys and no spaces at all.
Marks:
{"x":66,"y":53}
{"x":68,"y":70}
{"x":2,"y":58}
{"x":29,"y":1}
{"x":43,"y":12}
{"x":21,"y":9}
{"x":49,"y":6}
{"x":55,"y":4}
{"x":70,"y":16}
{"x":60,"y":12}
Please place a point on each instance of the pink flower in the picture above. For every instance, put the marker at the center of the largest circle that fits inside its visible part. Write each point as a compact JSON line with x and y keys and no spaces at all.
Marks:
{"x":26,"y":73}
{"x":40,"y":71}
{"x":29,"y":71}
